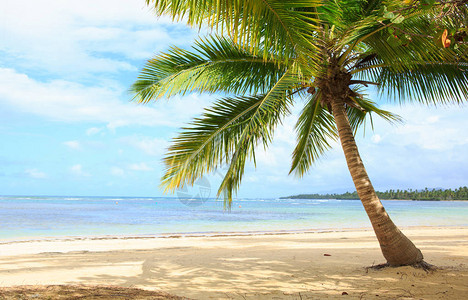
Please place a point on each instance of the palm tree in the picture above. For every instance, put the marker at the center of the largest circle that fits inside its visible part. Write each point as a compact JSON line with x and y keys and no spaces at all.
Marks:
{"x":270,"y":53}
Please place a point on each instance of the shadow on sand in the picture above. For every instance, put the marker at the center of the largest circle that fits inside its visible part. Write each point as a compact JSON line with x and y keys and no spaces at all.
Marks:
{"x":250,"y":272}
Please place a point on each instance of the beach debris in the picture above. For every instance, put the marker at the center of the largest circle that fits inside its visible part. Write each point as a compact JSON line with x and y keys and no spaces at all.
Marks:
{"x":326,"y":254}
{"x":344,"y":293}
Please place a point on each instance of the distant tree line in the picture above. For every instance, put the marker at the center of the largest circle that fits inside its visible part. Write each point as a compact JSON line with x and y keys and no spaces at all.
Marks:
{"x":426,"y":195}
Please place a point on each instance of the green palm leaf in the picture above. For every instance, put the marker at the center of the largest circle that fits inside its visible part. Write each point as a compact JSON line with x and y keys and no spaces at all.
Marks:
{"x":315,"y":128}
{"x":358,"y":116}
{"x":429,"y":83}
{"x":215,"y":65}
{"x":208,"y":142}
{"x":259,"y":127}
{"x":282,"y":26}
{"x":227,"y":132}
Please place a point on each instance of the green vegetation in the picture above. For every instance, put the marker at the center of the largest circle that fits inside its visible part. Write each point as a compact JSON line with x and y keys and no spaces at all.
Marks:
{"x":270,"y":55}
{"x":426,"y":195}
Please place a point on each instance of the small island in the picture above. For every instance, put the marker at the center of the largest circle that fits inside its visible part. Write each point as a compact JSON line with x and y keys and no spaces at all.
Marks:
{"x":417,"y":195}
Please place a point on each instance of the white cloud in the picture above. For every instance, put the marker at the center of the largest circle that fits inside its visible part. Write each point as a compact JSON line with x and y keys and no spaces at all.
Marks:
{"x":429,"y":149}
{"x":77,"y":170}
{"x":376,"y":138}
{"x":78,"y":41}
{"x":433,"y":119}
{"x":116,"y":171}
{"x":150,"y":146}
{"x":72,"y":102}
{"x":72,"y":37}
{"x":93,"y":131}
{"x":285,"y":133}
{"x":140,"y":167}
{"x":73,"y":144}
{"x":252,"y":178}
{"x":424,"y":129}
{"x":36,"y":174}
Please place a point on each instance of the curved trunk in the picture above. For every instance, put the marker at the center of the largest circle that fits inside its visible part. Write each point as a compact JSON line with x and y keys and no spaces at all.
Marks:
{"x":396,"y":247}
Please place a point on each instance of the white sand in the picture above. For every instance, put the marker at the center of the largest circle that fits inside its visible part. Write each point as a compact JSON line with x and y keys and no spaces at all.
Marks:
{"x":285,"y":266}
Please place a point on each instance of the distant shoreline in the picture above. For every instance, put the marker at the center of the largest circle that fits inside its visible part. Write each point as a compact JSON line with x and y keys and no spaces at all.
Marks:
{"x":357,"y":199}
{"x":426,"y":194}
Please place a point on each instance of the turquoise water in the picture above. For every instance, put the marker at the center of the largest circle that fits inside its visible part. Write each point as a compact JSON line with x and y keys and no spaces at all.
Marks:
{"x":36,"y":217}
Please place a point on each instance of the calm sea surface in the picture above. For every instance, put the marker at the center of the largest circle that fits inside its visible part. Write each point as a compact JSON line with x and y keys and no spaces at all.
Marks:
{"x":36,"y":217}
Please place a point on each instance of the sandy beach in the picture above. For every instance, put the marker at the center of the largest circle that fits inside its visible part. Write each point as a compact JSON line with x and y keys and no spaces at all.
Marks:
{"x":309,"y":265}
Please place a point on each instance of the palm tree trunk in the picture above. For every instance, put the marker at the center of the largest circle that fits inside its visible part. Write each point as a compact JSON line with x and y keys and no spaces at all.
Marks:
{"x":397,"y":249}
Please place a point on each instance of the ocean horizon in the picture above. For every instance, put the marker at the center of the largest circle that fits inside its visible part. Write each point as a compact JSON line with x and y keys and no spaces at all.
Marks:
{"x":35,"y":217}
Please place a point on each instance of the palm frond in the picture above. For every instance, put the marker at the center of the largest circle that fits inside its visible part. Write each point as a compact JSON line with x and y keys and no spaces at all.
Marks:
{"x":419,"y":71}
{"x":259,"y":127}
{"x":429,"y":83}
{"x":398,"y":43}
{"x":208,"y":142}
{"x":366,"y":66}
{"x":282,"y":26}
{"x":357,"y":116}
{"x":315,"y":128}
{"x":412,"y":45}
{"x":232,"y":127}
{"x":216,"y":64}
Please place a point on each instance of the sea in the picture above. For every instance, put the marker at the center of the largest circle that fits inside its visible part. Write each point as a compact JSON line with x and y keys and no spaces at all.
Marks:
{"x":36,"y":217}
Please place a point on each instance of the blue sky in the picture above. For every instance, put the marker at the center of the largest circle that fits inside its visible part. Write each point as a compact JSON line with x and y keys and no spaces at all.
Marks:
{"x":68,"y":127}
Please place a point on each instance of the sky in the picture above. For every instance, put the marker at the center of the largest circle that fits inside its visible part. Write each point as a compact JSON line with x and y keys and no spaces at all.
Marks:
{"x":68,"y":125}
